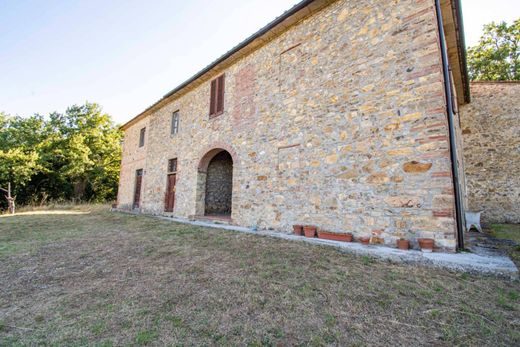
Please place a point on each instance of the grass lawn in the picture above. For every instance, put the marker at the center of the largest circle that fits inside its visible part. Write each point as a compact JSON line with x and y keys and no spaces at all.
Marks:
{"x":506,"y":231}
{"x":106,"y":279}
{"x":509,"y":237}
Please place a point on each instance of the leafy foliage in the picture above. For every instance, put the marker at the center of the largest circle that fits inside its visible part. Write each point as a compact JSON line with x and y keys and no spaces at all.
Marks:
{"x":75,"y":155}
{"x":497,"y":56}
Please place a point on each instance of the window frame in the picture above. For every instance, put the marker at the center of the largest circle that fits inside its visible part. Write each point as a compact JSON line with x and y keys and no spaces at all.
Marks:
{"x":175,"y":121}
{"x":142,"y":135}
{"x":217,"y":93}
{"x":168,"y":169}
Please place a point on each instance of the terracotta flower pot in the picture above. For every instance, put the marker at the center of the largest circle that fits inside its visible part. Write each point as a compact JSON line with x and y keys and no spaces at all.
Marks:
{"x":403,"y":244}
{"x":375,"y":240}
{"x":298,"y":229}
{"x":309,"y":231}
{"x":426,"y":244}
{"x":327,"y":235}
{"x":365,"y":240}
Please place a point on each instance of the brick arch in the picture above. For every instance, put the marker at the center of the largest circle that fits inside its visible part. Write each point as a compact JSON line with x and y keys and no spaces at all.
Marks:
{"x":206,"y":156}
{"x":211,"y":151}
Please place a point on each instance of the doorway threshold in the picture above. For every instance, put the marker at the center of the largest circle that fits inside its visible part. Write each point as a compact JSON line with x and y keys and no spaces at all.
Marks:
{"x":214,"y":218}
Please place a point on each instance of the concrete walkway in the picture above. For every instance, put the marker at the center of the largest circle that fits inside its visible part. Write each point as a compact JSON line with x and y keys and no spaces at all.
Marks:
{"x":500,"y":266}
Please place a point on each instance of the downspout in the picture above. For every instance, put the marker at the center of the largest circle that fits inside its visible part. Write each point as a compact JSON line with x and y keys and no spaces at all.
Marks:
{"x":450,"y":111}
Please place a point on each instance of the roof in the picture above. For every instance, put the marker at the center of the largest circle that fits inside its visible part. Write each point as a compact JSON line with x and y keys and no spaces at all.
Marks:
{"x":274,"y":29}
{"x":455,"y":42}
{"x":267,"y":33}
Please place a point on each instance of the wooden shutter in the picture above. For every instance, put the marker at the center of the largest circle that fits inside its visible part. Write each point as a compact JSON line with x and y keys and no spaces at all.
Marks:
{"x":169,"y":200}
{"x":216,"y":102}
{"x":212,"y":105}
{"x":220,"y":94}
{"x":137,"y":189}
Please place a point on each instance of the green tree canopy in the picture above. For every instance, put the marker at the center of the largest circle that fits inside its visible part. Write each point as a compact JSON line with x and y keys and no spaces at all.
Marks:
{"x":497,"y":55}
{"x":74,"y":155}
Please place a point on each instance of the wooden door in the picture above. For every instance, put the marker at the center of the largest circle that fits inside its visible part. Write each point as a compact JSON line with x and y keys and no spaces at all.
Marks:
{"x":138,"y":184}
{"x":169,"y":201}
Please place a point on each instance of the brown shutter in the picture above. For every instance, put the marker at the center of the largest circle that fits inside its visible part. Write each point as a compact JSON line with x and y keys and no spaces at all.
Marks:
{"x":137,"y":191}
{"x":212,"y":100}
{"x":220,"y":95}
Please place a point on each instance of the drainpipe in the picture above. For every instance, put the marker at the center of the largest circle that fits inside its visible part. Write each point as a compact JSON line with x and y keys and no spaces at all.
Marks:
{"x":453,"y":147}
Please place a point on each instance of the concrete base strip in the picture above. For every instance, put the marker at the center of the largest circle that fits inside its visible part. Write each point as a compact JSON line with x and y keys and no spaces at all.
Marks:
{"x":500,"y":266}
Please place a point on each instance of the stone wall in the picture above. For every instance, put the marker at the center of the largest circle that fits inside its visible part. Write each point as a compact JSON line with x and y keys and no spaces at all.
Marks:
{"x":491,"y":136}
{"x":219,"y":184}
{"x":338,"y":122}
{"x":133,"y":159}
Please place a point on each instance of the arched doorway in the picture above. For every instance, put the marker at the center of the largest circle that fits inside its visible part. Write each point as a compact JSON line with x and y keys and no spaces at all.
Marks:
{"x":215,"y":184}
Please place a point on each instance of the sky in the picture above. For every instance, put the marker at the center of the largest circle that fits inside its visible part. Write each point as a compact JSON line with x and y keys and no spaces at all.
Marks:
{"x":126,"y":54}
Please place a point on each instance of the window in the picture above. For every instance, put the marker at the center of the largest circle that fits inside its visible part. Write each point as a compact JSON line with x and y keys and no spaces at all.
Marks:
{"x":141,"y":137}
{"x":216,"y":102}
{"x":175,"y":123}
{"x":172,"y":165}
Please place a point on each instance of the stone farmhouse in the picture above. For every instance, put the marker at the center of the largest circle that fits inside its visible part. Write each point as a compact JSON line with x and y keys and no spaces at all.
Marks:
{"x":341,"y":114}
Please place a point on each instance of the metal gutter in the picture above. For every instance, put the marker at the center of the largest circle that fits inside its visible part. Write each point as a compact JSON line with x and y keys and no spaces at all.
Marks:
{"x":453,"y":147}
{"x":459,"y":27}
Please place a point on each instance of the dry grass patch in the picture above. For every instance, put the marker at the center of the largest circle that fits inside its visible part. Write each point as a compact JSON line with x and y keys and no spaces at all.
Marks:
{"x":107,"y":279}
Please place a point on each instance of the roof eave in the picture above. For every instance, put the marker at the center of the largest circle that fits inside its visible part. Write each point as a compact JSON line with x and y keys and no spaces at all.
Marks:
{"x":462,"y":47}
{"x":279,"y":22}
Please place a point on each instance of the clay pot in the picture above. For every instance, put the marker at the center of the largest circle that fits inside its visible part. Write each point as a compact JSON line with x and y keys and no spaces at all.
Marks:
{"x":298,"y":229}
{"x":426,"y":245}
{"x":403,"y":244}
{"x":309,"y":231}
{"x":365,"y":240}
{"x":327,"y":235}
{"x":375,"y":240}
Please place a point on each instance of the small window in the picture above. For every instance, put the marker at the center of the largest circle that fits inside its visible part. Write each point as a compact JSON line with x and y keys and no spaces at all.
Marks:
{"x":175,"y":123}
{"x":141,"y":137}
{"x":172,"y":165}
{"x":216,"y":102}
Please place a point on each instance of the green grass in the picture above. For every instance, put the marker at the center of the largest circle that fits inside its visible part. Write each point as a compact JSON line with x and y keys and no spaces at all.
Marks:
{"x":39,"y":228}
{"x":510,"y":232}
{"x":506,"y":231}
{"x":145,"y":337}
{"x":109,"y":279}
{"x":98,"y":327}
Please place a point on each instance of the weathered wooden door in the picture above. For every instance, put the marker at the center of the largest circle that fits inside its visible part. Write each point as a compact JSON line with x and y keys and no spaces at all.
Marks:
{"x":169,"y":201}
{"x":138,"y":184}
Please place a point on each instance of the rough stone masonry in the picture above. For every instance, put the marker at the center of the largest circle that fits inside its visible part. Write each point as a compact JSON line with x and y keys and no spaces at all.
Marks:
{"x":337,"y":120}
{"x":491,"y":136}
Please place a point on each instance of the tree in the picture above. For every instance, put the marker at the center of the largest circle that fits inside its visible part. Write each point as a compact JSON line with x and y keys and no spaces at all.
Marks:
{"x":497,"y":55}
{"x":64,"y":156}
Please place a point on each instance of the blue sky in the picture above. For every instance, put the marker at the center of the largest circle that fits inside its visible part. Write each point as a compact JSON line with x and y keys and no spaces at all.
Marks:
{"x":125,"y":55}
